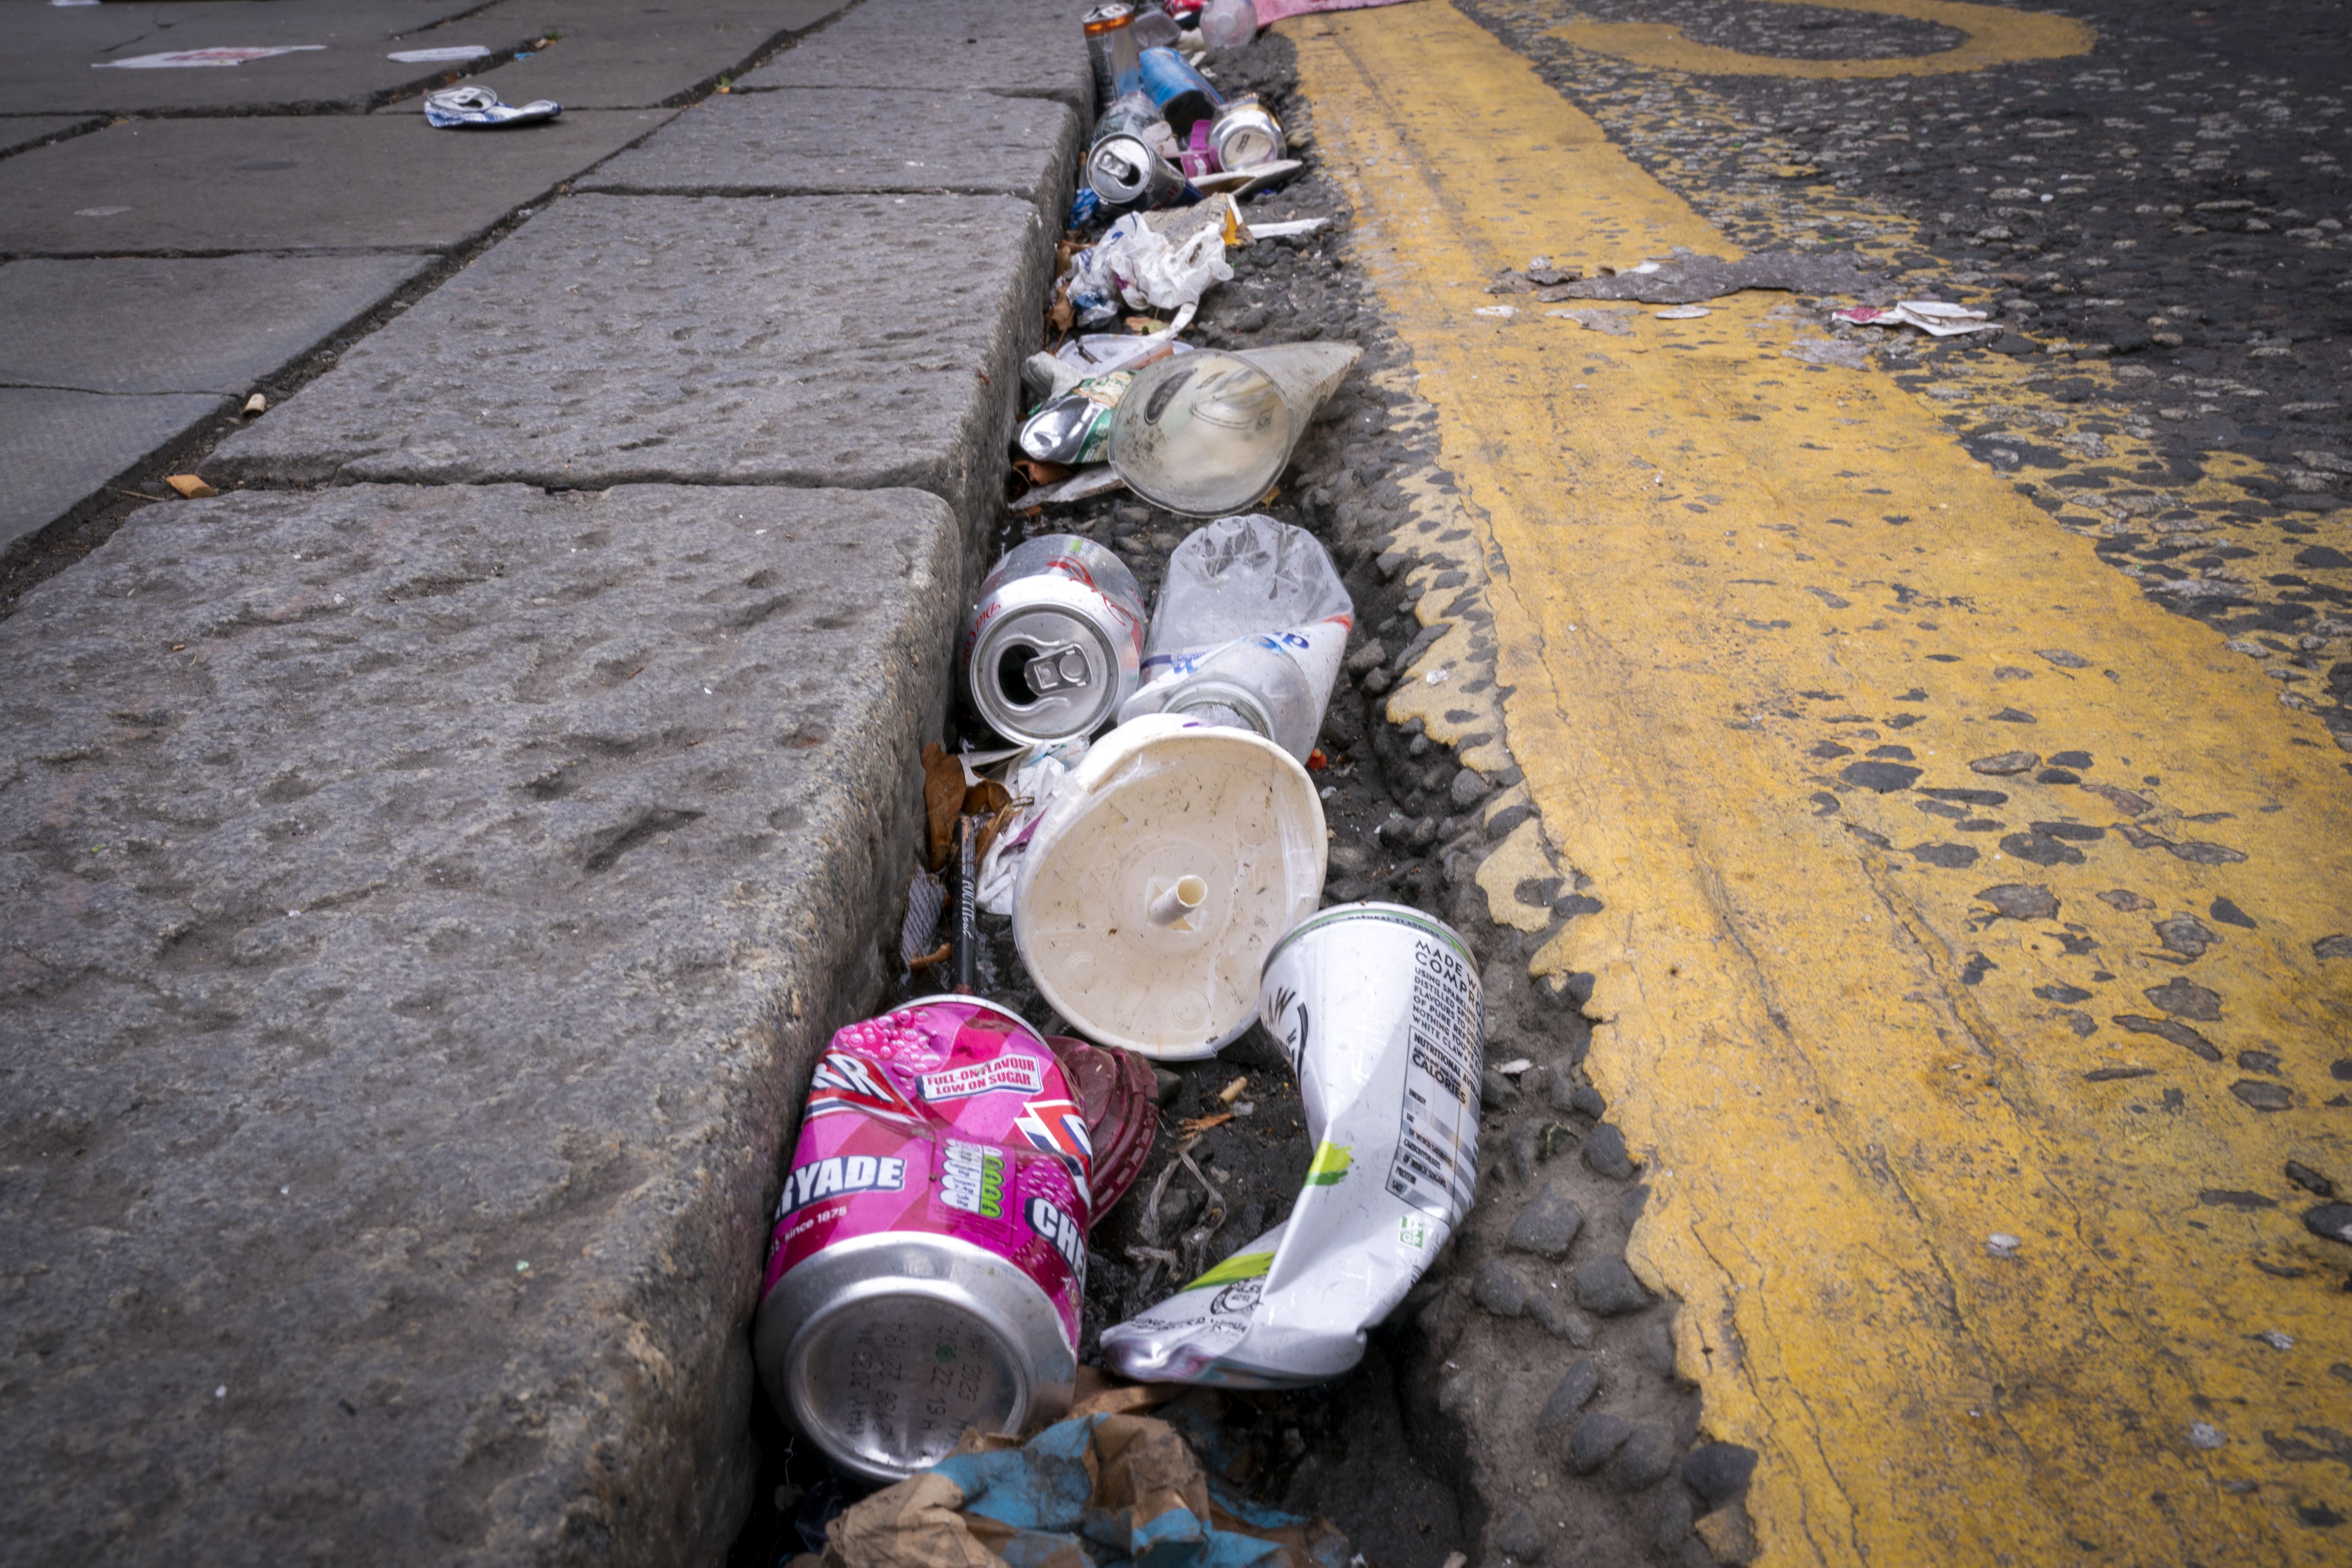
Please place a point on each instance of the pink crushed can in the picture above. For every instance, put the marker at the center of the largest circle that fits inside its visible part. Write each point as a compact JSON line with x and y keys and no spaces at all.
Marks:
{"x":927,"y":1264}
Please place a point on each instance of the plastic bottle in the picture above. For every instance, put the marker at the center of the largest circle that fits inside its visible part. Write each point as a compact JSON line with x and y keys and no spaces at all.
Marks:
{"x":1228,"y":24}
{"x":1261,"y":684}
{"x":1251,"y":625}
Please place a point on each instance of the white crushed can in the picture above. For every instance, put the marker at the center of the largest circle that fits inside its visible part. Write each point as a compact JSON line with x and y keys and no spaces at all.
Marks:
{"x":1379,"y":1007}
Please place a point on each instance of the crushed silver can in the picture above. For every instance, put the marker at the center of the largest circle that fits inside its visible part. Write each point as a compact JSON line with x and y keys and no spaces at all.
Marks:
{"x":1245,"y":134}
{"x":1054,"y":644}
{"x":1128,"y":176}
{"x":1380,"y":1009}
{"x":928,"y":1263}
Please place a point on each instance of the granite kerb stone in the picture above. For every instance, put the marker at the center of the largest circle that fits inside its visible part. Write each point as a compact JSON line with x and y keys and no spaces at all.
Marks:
{"x":853,"y":342}
{"x":423,"y":907}
{"x":1021,"y":48}
{"x":846,"y":141}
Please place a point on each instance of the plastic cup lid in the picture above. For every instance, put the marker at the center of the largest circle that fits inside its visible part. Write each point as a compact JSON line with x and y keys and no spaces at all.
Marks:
{"x":1173,"y":859}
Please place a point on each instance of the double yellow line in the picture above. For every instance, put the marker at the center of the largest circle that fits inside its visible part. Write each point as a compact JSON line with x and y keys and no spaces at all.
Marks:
{"x":1969,"y":1177}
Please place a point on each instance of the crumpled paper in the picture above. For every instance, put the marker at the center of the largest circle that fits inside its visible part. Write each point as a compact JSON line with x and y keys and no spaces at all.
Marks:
{"x":1938,"y":318}
{"x":1093,"y":1492}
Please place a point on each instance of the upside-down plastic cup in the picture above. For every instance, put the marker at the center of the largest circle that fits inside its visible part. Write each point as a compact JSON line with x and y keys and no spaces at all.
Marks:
{"x":1209,"y":433}
{"x":1170,"y":863}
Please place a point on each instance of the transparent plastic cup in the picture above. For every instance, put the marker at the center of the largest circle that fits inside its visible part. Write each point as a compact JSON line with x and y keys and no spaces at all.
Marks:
{"x":1210,"y":433}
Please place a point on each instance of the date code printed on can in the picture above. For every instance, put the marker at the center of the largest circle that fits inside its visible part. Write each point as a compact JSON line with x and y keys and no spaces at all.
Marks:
{"x":1437,"y":1135}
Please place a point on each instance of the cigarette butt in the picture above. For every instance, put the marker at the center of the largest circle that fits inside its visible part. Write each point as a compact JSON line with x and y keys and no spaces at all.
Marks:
{"x":257,"y":404}
{"x":1233,"y":1091}
{"x":190,"y":487}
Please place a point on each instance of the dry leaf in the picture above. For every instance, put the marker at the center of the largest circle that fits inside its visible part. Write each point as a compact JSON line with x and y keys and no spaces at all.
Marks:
{"x":1038,"y":473}
{"x":190,"y":487}
{"x":942,"y":795}
{"x":986,"y":798}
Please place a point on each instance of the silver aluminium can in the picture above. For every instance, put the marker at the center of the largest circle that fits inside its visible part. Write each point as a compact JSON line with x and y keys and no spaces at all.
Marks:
{"x":898,"y":1342}
{"x":1111,"y":48}
{"x":1130,"y":176}
{"x":1245,"y":134}
{"x":1054,"y":644}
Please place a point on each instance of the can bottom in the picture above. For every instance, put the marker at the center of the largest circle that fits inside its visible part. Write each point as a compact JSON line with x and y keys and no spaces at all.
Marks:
{"x":884,"y":1350}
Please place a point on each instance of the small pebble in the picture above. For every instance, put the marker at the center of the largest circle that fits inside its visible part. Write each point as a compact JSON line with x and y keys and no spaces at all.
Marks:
{"x":1658,"y":1347}
{"x":1549,"y":1305}
{"x":1718,"y":1472}
{"x":1604,"y":1150}
{"x":1521,"y":1537}
{"x":1571,"y":1394}
{"x":1647,"y":1456}
{"x":1606,"y":1286}
{"x":1596,"y":1439}
{"x":1501,"y":1288}
{"x":1548,"y":1226}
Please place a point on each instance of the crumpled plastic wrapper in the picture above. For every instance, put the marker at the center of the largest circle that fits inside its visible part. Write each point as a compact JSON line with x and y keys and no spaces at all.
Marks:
{"x":1132,"y":267}
{"x":1093,"y":1492}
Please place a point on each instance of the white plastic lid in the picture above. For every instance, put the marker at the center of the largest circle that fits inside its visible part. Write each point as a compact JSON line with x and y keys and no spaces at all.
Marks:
{"x":1167,"y":868}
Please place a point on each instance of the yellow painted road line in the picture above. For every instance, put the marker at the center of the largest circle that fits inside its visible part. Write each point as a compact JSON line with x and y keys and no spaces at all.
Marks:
{"x":1992,"y":35}
{"x":1857,"y":1035}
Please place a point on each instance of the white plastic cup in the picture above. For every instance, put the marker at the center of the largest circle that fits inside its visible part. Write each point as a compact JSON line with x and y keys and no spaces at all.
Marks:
{"x":1105,"y":924}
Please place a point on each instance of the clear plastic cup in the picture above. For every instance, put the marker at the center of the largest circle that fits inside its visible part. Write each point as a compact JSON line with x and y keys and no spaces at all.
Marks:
{"x":1209,"y":433}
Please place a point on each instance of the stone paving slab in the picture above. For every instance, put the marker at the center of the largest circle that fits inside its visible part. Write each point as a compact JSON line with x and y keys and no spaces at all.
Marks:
{"x":59,"y":449}
{"x":423,"y":905}
{"x":219,"y":324}
{"x":625,"y":54}
{"x":47,"y":67}
{"x":821,"y":141}
{"x":291,"y":182}
{"x":17,"y":134}
{"x":1022,"y":48}
{"x":859,"y":341}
